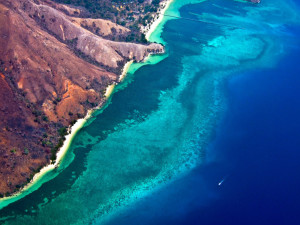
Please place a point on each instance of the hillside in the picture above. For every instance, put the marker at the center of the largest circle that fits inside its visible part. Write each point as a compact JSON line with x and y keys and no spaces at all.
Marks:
{"x":54,"y":66}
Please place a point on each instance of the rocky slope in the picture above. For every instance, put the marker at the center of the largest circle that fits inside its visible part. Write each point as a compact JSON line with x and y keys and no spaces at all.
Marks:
{"x":54,"y":66}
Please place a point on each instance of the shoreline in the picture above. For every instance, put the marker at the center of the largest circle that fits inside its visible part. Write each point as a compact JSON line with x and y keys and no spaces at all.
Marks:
{"x":73,"y":130}
{"x":125,"y":70}
{"x":151,"y":27}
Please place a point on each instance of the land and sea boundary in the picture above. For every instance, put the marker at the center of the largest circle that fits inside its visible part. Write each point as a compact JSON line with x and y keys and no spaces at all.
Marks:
{"x":51,"y":170}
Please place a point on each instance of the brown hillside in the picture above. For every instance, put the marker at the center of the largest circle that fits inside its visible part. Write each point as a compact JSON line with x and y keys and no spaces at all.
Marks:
{"x":52,"y":71}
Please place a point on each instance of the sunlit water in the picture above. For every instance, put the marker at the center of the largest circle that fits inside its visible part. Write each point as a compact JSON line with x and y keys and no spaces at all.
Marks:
{"x":159,"y":126}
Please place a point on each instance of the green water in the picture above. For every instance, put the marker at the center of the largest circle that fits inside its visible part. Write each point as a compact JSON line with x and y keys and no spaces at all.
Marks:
{"x":157,"y":124}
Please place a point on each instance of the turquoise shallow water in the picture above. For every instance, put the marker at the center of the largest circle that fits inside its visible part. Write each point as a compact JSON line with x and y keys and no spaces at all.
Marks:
{"x":156,"y":128}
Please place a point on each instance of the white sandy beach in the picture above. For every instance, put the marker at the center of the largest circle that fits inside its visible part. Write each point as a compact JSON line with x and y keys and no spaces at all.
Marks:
{"x":124,"y":71}
{"x":80,"y":122}
{"x":148,"y":30}
{"x":72,"y":131}
{"x":59,"y":156}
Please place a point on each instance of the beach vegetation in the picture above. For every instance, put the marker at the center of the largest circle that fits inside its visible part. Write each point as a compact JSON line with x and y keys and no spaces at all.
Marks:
{"x":26,"y":151}
{"x":60,"y":143}
{"x":73,"y":122}
{"x":63,"y":131}
{"x":49,"y":144}
{"x":130,"y":14}
{"x":155,"y":2}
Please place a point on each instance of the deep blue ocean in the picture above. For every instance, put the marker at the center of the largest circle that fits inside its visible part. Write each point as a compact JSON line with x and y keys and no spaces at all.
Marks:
{"x":256,"y":152}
